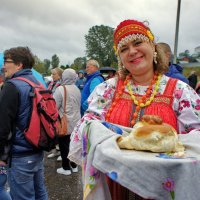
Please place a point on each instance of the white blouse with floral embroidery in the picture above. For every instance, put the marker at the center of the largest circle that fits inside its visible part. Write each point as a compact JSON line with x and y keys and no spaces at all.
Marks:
{"x":186,"y":105}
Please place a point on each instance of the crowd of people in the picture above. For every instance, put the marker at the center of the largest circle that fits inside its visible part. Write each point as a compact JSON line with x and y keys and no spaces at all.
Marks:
{"x":146,"y":83}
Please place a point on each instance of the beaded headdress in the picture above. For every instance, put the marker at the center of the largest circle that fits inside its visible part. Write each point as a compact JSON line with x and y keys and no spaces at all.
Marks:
{"x":129,"y":30}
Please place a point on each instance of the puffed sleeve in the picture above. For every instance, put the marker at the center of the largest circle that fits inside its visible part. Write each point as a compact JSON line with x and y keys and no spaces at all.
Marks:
{"x":99,"y":102}
{"x":187,"y":107}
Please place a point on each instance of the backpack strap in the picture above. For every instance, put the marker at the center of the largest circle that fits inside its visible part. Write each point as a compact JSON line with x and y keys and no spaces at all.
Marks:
{"x":29,"y":82}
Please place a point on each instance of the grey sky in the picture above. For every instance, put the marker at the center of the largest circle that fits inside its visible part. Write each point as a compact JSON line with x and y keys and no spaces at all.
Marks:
{"x":59,"y":26}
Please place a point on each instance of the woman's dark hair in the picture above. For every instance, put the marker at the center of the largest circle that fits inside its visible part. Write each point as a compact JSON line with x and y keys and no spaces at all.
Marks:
{"x":20,"y":55}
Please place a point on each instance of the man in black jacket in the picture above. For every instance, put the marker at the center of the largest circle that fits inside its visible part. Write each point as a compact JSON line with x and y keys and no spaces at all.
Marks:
{"x":193,"y":79}
{"x":26,"y":175}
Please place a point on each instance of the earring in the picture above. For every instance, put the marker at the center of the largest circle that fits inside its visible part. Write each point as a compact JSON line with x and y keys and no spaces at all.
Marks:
{"x":155,"y":57}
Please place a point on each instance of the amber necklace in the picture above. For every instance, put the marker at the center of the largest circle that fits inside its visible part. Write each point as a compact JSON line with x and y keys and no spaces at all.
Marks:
{"x":145,"y":100}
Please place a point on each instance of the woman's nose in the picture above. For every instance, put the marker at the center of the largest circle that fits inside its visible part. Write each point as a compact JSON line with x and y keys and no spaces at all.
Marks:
{"x":133,"y":50}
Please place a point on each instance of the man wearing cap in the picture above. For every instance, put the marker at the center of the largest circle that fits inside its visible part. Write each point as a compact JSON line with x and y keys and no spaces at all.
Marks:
{"x":94,"y":78}
{"x":81,"y":80}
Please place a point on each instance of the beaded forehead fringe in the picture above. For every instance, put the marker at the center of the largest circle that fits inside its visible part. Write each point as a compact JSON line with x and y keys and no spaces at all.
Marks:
{"x":129,"y":38}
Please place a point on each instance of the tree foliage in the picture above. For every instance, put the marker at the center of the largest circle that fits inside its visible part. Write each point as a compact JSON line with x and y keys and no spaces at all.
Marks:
{"x":47,"y":64}
{"x":39,"y":65}
{"x":186,"y":53}
{"x":80,"y":62}
{"x":55,"y":61}
{"x":99,"y":45}
{"x":40,"y":68}
{"x":63,"y":67}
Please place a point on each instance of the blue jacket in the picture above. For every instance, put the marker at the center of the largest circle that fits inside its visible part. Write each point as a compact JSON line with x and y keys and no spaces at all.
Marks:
{"x":175,"y":71}
{"x":92,"y":81}
{"x":80,"y":83}
{"x":20,"y":145}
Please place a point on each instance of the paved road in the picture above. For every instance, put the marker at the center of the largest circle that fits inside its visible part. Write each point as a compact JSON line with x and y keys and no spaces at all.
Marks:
{"x":62,"y":187}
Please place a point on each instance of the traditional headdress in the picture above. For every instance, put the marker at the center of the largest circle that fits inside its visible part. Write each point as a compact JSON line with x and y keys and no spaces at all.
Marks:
{"x":129,"y":30}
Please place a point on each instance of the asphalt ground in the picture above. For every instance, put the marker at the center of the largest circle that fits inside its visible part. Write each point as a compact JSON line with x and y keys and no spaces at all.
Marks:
{"x":61,"y":187}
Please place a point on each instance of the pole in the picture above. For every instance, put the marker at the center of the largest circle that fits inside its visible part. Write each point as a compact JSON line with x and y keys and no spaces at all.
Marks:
{"x":177,"y":30}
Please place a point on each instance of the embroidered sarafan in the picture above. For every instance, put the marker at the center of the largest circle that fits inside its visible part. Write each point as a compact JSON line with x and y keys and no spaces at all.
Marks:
{"x":122,"y":115}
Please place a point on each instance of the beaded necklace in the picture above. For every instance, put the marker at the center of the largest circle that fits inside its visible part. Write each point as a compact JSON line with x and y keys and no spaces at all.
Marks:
{"x":144,"y":101}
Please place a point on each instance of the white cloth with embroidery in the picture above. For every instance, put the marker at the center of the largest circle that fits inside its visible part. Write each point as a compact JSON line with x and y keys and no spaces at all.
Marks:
{"x":186,"y":105}
{"x":94,"y":181}
{"x":150,"y":175}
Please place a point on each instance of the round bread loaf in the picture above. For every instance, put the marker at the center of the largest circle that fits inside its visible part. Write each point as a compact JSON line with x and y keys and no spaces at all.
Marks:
{"x":151,"y":134}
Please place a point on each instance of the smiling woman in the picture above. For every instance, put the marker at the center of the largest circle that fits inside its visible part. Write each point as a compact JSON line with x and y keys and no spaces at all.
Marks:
{"x":141,"y":88}
{"x":135,"y":55}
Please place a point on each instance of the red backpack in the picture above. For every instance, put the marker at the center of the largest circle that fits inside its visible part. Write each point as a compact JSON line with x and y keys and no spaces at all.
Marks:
{"x":43,"y":126}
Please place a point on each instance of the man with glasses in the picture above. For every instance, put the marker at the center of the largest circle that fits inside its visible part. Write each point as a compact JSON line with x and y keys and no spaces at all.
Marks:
{"x":94,"y":78}
{"x":26,"y":174}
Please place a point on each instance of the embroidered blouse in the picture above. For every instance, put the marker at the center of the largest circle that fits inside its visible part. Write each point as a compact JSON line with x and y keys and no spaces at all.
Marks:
{"x":185,"y":104}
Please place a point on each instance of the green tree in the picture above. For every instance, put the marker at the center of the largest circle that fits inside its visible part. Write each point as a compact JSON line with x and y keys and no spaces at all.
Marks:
{"x":73,"y":66}
{"x":47,"y":64}
{"x":39,"y":65}
{"x":186,"y":54}
{"x":37,"y":60}
{"x":40,"y":68}
{"x":99,"y":45}
{"x":80,"y":63}
{"x":55,"y":61}
{"x":63,"y":67}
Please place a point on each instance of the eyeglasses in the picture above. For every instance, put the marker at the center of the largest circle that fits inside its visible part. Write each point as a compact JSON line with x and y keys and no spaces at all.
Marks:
{"x":8,"y":61}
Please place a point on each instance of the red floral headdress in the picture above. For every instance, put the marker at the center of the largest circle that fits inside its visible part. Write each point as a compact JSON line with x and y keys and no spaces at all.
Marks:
{"x":131,"y":30}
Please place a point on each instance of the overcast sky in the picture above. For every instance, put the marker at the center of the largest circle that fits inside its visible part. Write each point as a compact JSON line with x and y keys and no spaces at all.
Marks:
{"x":58,"y":26}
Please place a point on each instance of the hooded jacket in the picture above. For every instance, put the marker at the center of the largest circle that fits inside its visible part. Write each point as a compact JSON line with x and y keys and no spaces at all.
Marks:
{"x":175,"y":71}
{"x":69,"y":78}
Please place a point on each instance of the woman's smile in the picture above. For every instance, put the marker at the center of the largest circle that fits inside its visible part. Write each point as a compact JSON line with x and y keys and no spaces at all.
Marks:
{"x":136,"y":60}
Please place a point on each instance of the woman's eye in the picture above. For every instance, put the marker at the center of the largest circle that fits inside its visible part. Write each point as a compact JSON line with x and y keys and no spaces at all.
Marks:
{"x":123,"y":49}
{"x":137,"y":43}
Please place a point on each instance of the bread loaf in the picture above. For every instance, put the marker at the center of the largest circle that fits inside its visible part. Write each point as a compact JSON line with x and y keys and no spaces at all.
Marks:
{"x":151,"y":134}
